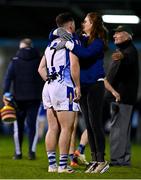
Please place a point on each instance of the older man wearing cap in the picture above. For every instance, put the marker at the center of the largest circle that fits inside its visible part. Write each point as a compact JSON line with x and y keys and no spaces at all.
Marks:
{"x":123,"y":75}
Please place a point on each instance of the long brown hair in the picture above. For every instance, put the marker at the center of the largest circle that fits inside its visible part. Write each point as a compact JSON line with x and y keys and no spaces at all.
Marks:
{"x":98,"y":29}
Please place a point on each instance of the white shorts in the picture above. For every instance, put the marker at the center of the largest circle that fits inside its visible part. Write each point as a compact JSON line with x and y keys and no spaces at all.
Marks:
{"x":59,"y":96}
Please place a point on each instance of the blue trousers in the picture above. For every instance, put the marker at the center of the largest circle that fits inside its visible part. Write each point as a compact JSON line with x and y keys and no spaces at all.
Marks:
{"x":26,"y":111}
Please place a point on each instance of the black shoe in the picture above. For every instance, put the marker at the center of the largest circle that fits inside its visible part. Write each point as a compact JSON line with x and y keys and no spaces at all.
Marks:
{"x":91,"y":166}
{"x":17,"y":156}
{"x":32,"y":156}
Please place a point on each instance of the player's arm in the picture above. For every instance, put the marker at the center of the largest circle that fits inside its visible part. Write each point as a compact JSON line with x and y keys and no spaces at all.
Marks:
{"x":75,"y":73}
{"x":111,"y":89}
{"x":42,"y":68}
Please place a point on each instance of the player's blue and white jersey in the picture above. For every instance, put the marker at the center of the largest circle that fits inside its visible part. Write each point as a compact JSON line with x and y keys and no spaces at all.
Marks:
{"x":58,"y":62}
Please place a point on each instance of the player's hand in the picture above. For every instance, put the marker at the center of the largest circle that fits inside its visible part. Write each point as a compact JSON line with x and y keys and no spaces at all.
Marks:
{"x":64,"y":44}
{"x":62,"y":33}
{"x":60,"y":45}
{"x":77,"y":94}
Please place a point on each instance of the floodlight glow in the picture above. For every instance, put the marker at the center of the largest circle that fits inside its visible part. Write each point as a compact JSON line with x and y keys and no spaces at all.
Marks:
{"x":121,"y":19}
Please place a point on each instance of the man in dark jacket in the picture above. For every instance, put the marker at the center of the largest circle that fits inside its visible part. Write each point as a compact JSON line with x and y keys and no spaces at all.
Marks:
{"x":27,"y":89}
{"x":123,"y":75}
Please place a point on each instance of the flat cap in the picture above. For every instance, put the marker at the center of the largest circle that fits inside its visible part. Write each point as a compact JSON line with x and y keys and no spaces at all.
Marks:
{"x":121,"y":28}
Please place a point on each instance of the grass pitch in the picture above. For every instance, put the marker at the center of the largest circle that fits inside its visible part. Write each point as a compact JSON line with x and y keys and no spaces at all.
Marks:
{"x":37,"y":169}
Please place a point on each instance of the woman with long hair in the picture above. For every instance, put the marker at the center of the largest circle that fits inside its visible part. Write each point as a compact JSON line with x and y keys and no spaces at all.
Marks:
{"x":91,"y":56}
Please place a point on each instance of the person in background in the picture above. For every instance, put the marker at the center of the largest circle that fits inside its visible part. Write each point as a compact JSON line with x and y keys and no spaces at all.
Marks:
{"x":60,"y":69}
{"x":77,"y":156}
{"x":42,"y":122}
{"x":123,"y":75}
{"x":23,"y":81}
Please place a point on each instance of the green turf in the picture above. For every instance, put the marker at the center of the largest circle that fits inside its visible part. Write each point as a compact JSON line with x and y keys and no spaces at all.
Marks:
{"x":37,"y":169}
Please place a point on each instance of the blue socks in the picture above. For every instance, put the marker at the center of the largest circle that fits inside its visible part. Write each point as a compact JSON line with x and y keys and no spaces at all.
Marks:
{"x":71,"y":156}
{"x":81,"y":148}
{"x":63,"y":160}
{"x":52,"y":158}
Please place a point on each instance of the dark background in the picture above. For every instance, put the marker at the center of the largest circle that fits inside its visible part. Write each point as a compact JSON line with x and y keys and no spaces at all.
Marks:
{"x":35,"y":18}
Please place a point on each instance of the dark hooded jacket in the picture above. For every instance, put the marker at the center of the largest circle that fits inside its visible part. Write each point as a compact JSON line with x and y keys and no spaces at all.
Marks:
{"x":22,"y":73}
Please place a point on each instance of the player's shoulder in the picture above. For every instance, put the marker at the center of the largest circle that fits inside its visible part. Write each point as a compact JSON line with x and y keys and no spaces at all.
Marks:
{"x":53,"y":43}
